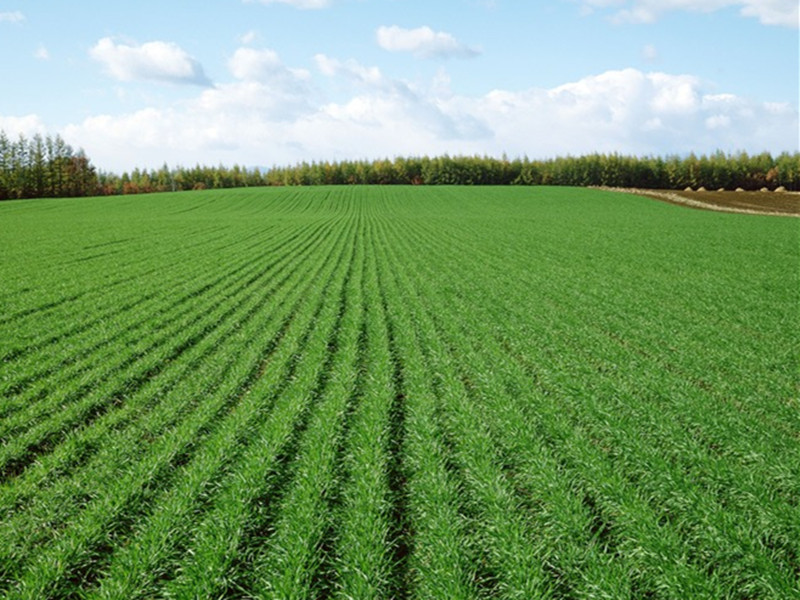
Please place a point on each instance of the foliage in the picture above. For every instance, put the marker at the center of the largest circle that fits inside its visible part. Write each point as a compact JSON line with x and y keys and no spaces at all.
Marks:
{"x":50,"y":168}
{"x":43,"y":168}
{"x":397,"y":392}
{"x":719,"y":170}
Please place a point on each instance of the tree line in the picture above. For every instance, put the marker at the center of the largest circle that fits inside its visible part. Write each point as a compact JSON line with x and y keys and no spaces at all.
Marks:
{"x":712,"y":172}
{"x":44,"y":167}
{"x":48,"y":167}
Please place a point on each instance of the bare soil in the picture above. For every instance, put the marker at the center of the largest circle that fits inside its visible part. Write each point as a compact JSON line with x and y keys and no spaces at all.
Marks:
{"x":759,"y":203}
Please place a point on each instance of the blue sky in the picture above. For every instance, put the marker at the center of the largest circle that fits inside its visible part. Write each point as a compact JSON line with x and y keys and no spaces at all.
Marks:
{"x":275,"y":82}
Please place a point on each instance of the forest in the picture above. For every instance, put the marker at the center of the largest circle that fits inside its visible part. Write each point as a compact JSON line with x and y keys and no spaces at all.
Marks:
{"x":49,"y":167}
{"x":44,"y":167}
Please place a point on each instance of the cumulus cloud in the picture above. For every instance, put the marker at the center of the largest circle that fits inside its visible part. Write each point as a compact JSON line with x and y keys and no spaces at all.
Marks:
{"x":350,"y":69}
{"x":773,"y":12}
{"x":631,"y":111}
{"x":273,"y":114}
{"x":42,"y":53}
{"x":265,"y":90}
{"x":12,"y":17}
{"x":264,"y":65}
{"x":768,"y":12}
{"x":302,"y":4}
{"x":423,"y":42}
{"x":153,"y":61}
{"x":26,"y":125}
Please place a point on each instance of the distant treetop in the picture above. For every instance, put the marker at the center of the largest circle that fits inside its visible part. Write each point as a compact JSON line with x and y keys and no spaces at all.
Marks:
{"x":48,"y":167}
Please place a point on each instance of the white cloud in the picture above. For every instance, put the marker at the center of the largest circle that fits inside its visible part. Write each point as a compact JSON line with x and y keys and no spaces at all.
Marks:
{"x":650,"y":53}
{"x":634,"y":112}
{"x":350,"y":69}
{"x":41,"y":53}
{"x":768,"y":12}
{"x":423,"y":42}
{"x":265,"y":90}
{"x":12,"y":17}
{"x":773,"y":12}
{"x":232,"y":122}
{"x":26,"y":125}
{"x":249,"y":64}
{"x":273,"y":114}
{"x":718,"y":122}
{"x":153,"y":61}
{"x":302,"y":4}
{"x":248,"y":37}
{"x":674,"y":93}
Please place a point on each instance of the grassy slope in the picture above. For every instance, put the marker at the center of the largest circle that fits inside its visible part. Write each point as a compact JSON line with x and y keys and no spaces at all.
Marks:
{"x":368,"y":392}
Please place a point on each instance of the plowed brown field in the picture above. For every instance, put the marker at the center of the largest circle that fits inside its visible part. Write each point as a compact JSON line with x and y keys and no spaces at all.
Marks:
{"x":768,"y":203}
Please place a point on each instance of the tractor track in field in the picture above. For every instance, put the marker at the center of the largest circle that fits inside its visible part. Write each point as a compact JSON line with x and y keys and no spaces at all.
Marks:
{"x":774,"y":204}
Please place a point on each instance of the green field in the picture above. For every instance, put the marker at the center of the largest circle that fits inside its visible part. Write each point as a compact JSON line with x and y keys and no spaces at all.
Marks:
{"x":397,"y":392}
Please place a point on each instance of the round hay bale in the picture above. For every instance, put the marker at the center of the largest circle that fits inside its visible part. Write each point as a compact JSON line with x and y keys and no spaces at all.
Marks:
{"x":688,"y":188}
{"x":701,"y":189}
{"x":780,"y":188}
{"x":739,"y":189}
{"x":764,"y":189}
{"x":721,"y":190}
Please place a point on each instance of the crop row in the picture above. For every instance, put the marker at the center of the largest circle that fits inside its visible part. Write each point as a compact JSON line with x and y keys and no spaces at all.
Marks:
{"x":396,"y":392}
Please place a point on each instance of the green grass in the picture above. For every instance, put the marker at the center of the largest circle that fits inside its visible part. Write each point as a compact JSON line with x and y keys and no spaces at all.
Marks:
{"x":397,"y":392}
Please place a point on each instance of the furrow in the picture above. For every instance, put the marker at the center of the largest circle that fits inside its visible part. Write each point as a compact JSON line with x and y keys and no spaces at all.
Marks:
{"x":150,"y":554}
{"x":504,"y":537}
{"x":18,"y":453}
{"x":364,"y":549}
{"x":439,"y":563}
{"x":110,"y":454}
{"x":286,"y":566}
